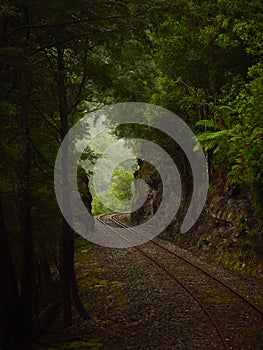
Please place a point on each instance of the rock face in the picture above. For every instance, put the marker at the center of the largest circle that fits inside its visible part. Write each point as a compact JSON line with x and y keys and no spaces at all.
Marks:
{"x":231,"y":203}
{"x":226,"y":231}
{"x":147,"y":173}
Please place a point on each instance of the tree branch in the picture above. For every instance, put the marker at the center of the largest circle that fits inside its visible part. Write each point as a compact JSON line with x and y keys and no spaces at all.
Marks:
{"x":41,"y":170}
{"x":40,"y":155}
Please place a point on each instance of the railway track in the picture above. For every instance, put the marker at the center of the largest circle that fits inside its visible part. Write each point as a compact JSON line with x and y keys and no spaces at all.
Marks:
{"x":197,"y":267}
{"x":112,"y":220}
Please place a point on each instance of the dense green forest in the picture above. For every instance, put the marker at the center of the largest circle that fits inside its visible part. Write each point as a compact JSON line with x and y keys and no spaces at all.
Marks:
{"x":61,"y":59}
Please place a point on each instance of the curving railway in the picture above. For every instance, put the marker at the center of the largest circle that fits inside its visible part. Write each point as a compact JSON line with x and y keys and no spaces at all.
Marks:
{"x":230,"y":313}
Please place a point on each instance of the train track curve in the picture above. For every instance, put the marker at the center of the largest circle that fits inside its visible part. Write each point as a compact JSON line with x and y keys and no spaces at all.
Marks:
{"x":111,"y":220}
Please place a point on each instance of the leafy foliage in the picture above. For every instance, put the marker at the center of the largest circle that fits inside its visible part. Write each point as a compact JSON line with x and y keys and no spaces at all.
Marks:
{"x":200,"y":59}
{"x":121,"y":188}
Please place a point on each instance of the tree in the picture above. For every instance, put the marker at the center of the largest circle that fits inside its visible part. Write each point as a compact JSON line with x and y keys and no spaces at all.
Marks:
{"x":8,"y":290}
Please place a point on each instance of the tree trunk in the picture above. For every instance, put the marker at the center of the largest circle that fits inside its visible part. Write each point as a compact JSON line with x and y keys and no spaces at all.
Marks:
{"x":67,"y":234}
{"x":66,"y":270}
{"x":76,"y":298}
{"x":69,"y":284}
{"x":8,"y":291}
{"x":27,"y":247}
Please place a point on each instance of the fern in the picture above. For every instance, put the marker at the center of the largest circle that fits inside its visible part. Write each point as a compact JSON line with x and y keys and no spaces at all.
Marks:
{"x":209,"y":136}
{"x":206,"y":122}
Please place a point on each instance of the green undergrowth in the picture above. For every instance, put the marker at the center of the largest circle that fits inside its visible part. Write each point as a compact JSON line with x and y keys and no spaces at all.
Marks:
{"x":238,"y":247}
{"x":243,"y":253}
{"x":238,"y":261}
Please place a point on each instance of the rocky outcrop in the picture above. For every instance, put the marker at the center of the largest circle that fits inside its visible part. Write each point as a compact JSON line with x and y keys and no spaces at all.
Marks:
{"x":226,"y":232}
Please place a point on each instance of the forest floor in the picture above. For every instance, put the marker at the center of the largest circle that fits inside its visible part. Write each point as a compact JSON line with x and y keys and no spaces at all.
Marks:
{"x":134,"y":305}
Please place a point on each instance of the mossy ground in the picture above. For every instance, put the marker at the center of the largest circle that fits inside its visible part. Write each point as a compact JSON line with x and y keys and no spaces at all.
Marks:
{"x":92,"y":278}
{"x":93,"y":344}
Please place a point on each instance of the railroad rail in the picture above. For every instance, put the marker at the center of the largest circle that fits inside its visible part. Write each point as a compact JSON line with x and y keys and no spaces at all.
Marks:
{"x":172,"y":275}
{"x":197,"y":267}
{"x":113,"y":218}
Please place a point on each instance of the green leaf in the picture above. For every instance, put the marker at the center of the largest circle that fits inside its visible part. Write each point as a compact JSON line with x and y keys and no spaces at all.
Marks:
{"x":227,"y":108}
{"x":206,"y":122}
{"x":208,"y":136}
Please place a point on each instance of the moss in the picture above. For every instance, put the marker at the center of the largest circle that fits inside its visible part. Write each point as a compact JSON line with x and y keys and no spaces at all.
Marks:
{"x":122,"y":299}
{"x":243,"y":248}
{"x":91,"y":282}
{"x":218,"y":299}
{"x":93,"y":344}
{"x":116,"y":284}
{"x":84,"y":251}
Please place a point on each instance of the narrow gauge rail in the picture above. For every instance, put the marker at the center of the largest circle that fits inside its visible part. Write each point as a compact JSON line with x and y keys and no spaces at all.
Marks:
{"x":112,"y":219}
{"x":199,"y":268}
{"x":101,"y":218}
